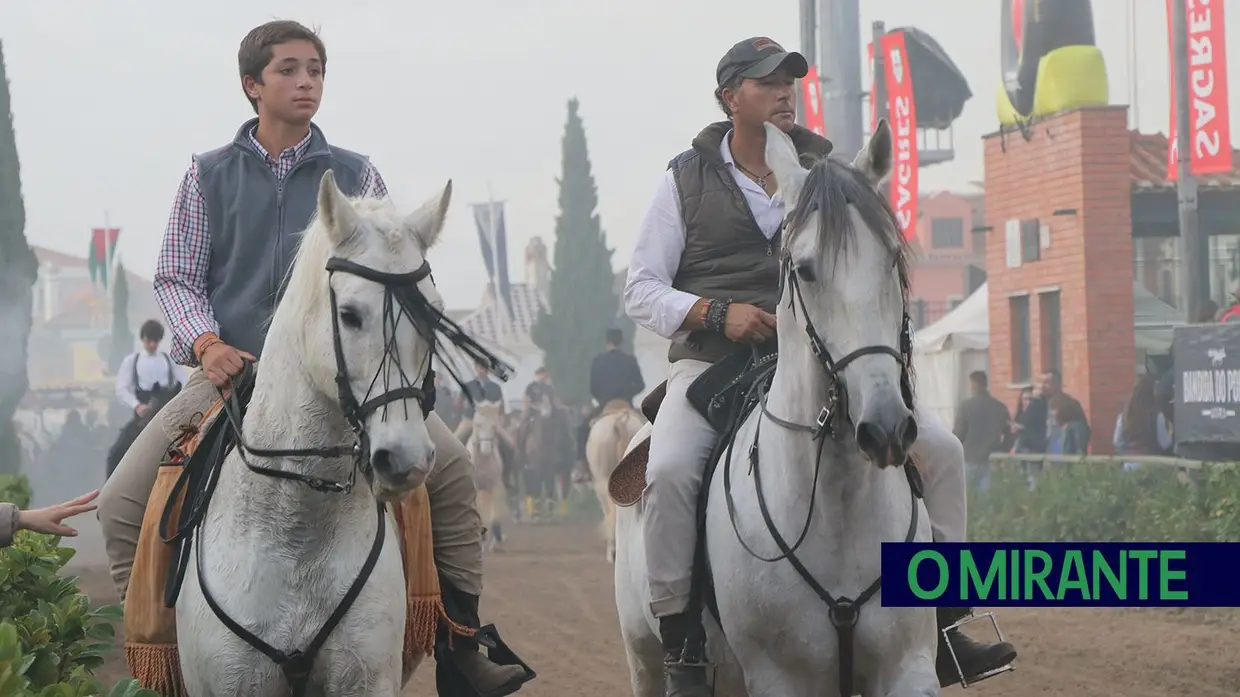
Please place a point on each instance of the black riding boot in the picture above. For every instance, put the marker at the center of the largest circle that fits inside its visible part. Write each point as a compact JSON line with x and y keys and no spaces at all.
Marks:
{"x":974,"y":657}
{"x":682,"y":680}
{"x":462,"y":670}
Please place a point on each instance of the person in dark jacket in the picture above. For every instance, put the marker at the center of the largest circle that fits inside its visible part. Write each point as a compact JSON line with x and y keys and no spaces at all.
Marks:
{"x":614,"y":375}
{"x":982,"y":425}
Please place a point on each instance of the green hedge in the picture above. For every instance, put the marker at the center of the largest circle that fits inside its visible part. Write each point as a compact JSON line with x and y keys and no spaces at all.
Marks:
{"x":14,"y":683}
{"x":14,"y":488}
{"x":51,"y":642}
{"x":1088,"y":502}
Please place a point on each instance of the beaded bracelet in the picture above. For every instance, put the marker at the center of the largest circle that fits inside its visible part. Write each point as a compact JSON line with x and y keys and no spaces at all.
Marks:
{"x":716,"y":315}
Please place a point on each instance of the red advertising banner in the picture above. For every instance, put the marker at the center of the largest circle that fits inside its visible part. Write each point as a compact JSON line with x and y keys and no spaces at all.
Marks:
{"x":902,"y":116}
{"x":1208,"y":98}
{"x":811,"y":97}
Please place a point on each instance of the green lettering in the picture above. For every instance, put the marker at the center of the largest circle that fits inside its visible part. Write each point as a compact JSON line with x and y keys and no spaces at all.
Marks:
{"x":1074,"y":564}
{"x":1143,"y":576}
{"x":943,"y":574}
{"x":969,"y":575}
{"x":1103,"y":567}
{"x":1165,"y":574}
{"x":1038,"y":576}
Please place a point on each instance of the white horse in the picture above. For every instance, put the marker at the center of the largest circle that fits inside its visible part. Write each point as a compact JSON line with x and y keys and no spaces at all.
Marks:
{"x":846,"y":283}
{"x":488,"y":461}
{"x":277,"y":555}
{"x":609,"y":439}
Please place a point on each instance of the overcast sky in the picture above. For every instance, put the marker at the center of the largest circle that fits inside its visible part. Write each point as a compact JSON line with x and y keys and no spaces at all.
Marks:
{"x":111,"y":98}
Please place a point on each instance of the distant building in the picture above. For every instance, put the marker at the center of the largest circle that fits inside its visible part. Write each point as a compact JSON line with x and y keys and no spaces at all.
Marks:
{"x":73,"y":319}
{"x":510,"y":338}
{"x":950,"y":257}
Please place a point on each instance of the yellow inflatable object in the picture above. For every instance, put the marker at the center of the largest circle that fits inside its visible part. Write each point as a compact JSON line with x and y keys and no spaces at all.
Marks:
{"x":1068,"y":78}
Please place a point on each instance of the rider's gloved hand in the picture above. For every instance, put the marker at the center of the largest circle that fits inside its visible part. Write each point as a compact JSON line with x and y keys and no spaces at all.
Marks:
{"x":748,"y":324}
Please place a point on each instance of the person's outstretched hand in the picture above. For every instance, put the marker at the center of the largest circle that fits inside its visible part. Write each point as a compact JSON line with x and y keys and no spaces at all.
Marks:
{"x":47,"y":520}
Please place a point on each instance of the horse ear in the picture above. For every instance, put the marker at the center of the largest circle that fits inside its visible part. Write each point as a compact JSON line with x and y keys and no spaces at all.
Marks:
{"x":426,"y":223}
{"x":875,"y":158}
{"x":782,"y":158}
{"x":337,"y":214}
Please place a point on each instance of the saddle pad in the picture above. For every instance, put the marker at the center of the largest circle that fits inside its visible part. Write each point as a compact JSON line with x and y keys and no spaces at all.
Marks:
{"x":628,"y":481}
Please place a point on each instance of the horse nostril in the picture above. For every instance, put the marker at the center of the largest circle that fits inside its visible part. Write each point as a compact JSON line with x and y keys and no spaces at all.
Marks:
{"x":872,"y":440}
{"x":906,"y":434}
{"x":382,"y":460}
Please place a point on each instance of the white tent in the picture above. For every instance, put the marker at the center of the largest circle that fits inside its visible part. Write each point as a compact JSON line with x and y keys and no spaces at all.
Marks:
{"x":945,"y":352}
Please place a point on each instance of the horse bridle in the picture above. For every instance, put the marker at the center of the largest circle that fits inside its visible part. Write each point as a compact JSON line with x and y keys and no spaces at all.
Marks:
{"x":400,"y":289}
{"x":844,"y":612}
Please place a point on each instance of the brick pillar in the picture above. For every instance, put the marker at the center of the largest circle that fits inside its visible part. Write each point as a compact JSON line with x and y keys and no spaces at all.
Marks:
{"x":1076,"y":163}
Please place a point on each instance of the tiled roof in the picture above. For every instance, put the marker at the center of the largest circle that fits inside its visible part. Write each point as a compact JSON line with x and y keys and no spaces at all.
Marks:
{"x":482,"y":325}
{"x":1148,"y":164}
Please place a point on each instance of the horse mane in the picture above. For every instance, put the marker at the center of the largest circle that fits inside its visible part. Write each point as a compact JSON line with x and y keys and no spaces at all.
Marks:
{"x":304,"y":286}
{"x":830,"y":186}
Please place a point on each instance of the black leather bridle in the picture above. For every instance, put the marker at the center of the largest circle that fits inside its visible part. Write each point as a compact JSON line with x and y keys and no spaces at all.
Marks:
{"x":401,"y":298}
{"x":843,"y":611}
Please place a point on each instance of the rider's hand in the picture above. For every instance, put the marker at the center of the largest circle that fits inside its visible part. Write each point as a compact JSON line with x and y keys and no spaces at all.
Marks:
{"x":47,"y":520}
{"x":748,"y":324}
{"x":221,"y":362}
{"x":141,"y":410}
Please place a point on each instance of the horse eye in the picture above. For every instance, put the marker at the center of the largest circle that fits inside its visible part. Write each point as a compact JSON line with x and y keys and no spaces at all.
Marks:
{"x":806,"y":272}
{"x":351,"y":319}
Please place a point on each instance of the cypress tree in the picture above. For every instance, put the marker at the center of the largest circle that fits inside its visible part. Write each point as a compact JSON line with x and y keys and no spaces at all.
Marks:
{"x":18,"y":271}
{"x":122,"y":334}
{"x":583,"y":303}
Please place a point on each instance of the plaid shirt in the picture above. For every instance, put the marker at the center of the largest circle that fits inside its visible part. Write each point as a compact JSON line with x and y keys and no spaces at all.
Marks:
{"x":185,"y":255}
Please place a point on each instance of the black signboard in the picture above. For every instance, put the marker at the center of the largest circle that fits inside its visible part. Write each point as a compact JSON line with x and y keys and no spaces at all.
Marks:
{"x":1207,"y":384}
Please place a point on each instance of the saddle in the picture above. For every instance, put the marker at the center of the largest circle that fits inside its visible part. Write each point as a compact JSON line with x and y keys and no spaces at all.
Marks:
{"x":723,"y":394}
{"x":166,"y":537}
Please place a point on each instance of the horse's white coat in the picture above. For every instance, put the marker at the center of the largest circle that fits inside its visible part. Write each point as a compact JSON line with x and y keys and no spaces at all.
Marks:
{"x":279,"y":556}
{"x":779,"y":635}
{"x":609,"y":439}
{"x":488,"y":462}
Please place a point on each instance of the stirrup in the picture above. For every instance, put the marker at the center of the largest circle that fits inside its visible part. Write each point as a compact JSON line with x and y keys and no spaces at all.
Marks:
{"x":969,"y":619}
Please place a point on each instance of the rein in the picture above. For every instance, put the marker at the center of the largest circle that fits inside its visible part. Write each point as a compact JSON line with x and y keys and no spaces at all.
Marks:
{"x":199,"y":485}
{"x":843,"y":611}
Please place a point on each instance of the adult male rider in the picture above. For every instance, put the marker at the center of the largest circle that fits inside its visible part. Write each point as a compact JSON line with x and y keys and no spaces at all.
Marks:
{"x":614,"y":375}
{"x":705,"y":274}
{"x":230,"y":239}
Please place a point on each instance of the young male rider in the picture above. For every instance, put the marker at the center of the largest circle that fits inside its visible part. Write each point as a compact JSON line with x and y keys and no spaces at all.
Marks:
{"x":230,"y":239}
{"x":705,"y":275}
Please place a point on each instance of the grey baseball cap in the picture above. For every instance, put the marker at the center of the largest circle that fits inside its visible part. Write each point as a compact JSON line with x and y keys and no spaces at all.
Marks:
{"x":757,"y":57}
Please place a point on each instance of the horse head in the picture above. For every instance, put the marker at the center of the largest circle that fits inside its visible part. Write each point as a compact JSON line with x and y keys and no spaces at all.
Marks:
{"x":486,"y":427}
{"x":845,"y":282}
{"x":363,"y":309}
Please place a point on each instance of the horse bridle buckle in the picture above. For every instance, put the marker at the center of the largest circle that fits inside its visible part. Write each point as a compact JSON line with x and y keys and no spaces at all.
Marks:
{"x":824,"y":417}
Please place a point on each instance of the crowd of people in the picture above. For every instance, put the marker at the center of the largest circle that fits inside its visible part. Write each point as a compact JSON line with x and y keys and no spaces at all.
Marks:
{"x":1048,"y":420}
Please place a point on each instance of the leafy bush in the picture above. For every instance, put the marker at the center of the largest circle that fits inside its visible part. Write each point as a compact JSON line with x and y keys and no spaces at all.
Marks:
{"x":14,"y":488}
{"x":50,"y":639}
{"x":1089,"y":502}
{"x":61,"y":638}
{"x":14,"y":682}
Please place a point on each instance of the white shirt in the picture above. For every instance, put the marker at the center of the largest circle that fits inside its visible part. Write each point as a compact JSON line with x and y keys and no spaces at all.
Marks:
{"x":649,"y":298}
{"x":152,"y":368}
